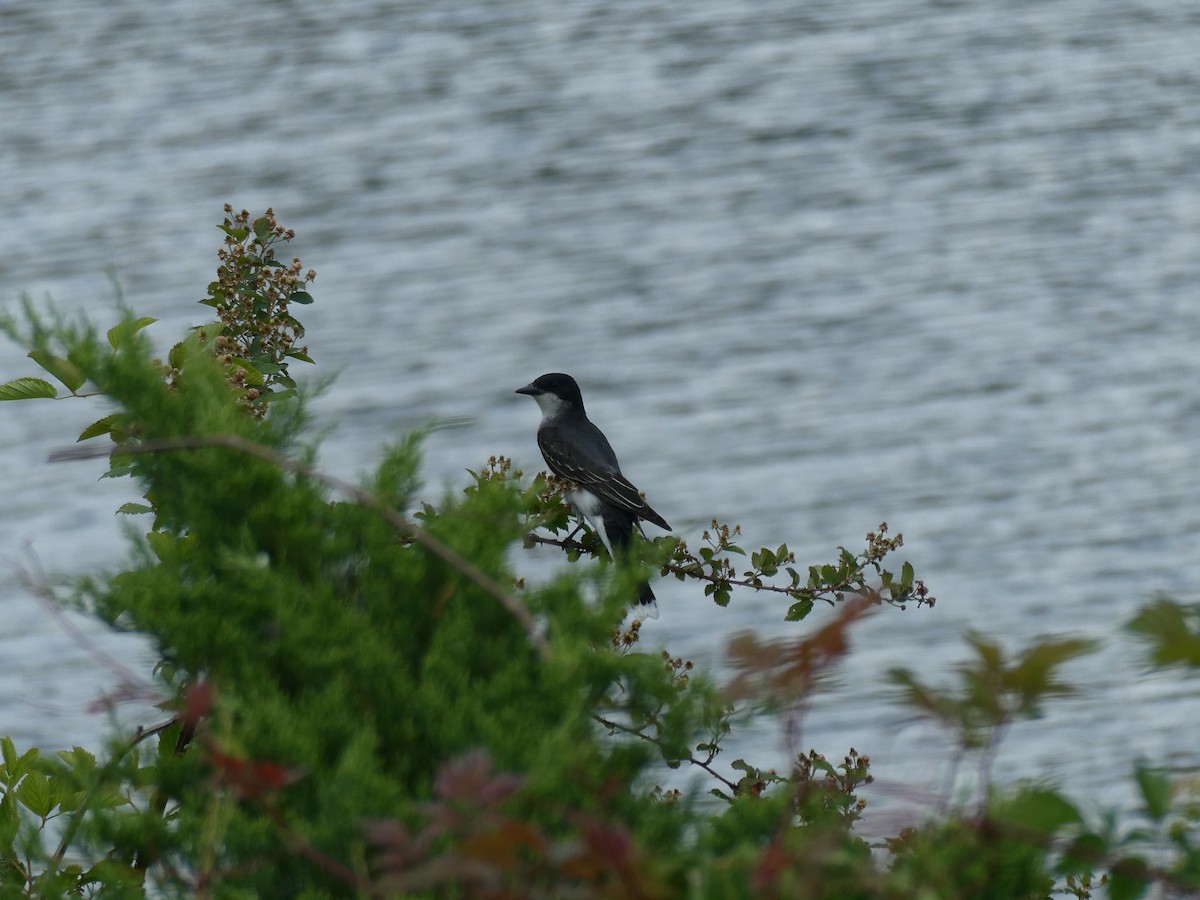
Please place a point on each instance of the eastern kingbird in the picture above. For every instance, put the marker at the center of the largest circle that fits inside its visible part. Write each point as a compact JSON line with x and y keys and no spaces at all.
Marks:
{"x":577,"y":451}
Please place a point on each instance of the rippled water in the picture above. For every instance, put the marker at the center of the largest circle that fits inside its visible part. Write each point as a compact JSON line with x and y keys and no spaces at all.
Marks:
{"x":815,"y":266}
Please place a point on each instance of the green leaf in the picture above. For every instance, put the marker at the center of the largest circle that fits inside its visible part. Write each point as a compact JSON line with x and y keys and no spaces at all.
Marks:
{"x":238,"y":234}
{"x":262,"y":228}
{"x":302,"y":297}
{"x":62,"y":369}
{"x":798,"y":611}
{"x":79,"y":759}
{"x":1038,"y":810}
{"x":205,"y":333}
{"x":162,"y":545}
{"x":253,"y":376}
{"x":122,"y":331}
{"x":767,"y":562}
{"x":119,"y":469}
{"x":27,"y":389}
{"x":10,"y":820}
{"x":1081,"y":852}
{"x":36,"y":794}
{"x":1173,"y":630}
{"x":1156,"y":791}
{"x":177,"y":355}
{"x":97,"y":428}
{"x":822,"y":765}
{"x":1036,"y":675}
{"x":1128,"y":879}
{"x":134,"y":509}
{"x":11,"y":761}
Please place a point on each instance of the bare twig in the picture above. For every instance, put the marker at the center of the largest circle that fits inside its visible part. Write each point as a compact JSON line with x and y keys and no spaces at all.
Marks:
{"x":130,"y":686}
{"x":419,"y":535}
{"x":705,"y":765}
{"x":323,"y":861}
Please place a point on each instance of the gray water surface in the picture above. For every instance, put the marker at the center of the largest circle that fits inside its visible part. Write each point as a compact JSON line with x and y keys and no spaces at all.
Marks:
{"x":816,"y":266}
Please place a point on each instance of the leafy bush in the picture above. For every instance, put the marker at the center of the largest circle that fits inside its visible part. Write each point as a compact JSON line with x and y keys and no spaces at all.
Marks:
{"x":366,"y":699}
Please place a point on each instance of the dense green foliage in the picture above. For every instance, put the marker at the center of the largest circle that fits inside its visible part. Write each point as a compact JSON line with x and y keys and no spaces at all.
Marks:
{"x":367,"y":700}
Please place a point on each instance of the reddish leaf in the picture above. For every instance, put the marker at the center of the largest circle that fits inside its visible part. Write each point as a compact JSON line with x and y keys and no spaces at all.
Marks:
{"x":771,"y":864}
{"x":469,"y":777}
{"x":505,"y":847}
{"x":611,"y":843}
{"x":249,"y":778}
{"x":789,"y":669}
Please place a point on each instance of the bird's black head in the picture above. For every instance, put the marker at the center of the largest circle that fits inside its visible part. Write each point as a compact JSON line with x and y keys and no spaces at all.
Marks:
{"x":557,"y":385}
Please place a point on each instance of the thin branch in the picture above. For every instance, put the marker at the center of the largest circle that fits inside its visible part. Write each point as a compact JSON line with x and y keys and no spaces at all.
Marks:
{"x":566,"y":543}
{"x":143,"y":732}
{"x":33,"y":578}
{"x":705,"y":765}
{"x":419,"y":535}
{"x":695,"y":570}
{"x":328,"y":864}
{"x":81,"y":808}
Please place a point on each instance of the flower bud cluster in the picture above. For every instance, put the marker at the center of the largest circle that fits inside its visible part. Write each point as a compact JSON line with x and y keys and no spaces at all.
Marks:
{"x":251,"y":295}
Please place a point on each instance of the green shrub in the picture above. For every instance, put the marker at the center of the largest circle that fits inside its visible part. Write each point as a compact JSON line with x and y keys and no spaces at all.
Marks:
{"x":365,"y":699}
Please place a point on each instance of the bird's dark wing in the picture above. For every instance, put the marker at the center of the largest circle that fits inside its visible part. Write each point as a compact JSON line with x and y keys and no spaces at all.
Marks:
{"x":600,"y":476}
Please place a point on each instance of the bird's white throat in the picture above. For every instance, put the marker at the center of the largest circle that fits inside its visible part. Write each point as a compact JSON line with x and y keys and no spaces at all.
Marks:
{"x":551,"y":405}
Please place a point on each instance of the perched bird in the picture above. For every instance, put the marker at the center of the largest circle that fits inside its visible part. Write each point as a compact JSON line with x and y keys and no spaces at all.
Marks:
{"x":577,"y":451}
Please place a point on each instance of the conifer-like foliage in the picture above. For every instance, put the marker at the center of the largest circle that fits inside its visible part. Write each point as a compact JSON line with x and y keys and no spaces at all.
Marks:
{"x":364,"y":698}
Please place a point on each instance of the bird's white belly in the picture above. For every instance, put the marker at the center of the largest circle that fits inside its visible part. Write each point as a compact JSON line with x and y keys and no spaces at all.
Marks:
{"x":591,"y":508}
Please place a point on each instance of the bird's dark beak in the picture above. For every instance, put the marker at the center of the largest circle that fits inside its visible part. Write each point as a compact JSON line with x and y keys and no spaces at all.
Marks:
{"x":530,"y":390}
